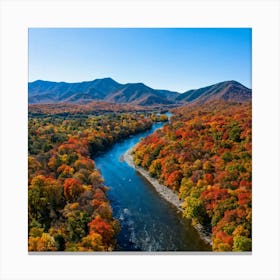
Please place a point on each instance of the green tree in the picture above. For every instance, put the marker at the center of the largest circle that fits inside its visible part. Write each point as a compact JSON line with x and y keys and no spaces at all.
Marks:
{"x":242,"y":243}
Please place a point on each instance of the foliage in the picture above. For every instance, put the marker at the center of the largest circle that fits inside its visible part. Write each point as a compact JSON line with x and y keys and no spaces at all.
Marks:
{"x":204,"y":155}
{"x":67,"y":204}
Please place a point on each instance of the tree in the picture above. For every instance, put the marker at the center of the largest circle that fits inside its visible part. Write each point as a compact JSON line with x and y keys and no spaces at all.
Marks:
{"x":185,"y":188}
{"x":174,"y":180}
{"x":242,"y":243}
{"x":194,"y":209}
{"x":76,"y":222}
{"x":44,"y":199}
{"x":65,"y":171}
{"x":155,"y":168}
{"x":43,"y":243}
{"x":100,"y":226}
{"x":91,"y":242}
{"x":210,"y":147}
{"x":72,"y":189}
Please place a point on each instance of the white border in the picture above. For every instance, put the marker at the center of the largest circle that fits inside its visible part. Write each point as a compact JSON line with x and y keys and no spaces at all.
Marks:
{"x":262,"y":16}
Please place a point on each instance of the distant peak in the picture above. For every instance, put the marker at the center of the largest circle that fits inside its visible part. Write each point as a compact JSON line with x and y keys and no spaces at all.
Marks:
{"x":40,"y":82}
{"x":233,"y":82}
{"x":106,"y":79}
{"x":224,"y":83}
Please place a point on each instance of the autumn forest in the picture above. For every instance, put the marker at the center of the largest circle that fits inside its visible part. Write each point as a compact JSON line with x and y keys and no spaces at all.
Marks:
{"x":68,"y":208}
{"x":204,"y":155}
{"x":201,"y":151}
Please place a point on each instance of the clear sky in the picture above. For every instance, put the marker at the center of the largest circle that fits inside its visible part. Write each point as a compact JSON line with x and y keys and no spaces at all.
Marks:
{"x":163,"y":58}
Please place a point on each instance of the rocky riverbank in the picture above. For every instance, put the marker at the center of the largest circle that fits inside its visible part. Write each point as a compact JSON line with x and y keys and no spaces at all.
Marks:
{"x":165,"y":192}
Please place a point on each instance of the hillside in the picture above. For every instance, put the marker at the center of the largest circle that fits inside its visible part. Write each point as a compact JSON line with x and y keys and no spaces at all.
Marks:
{"x":91,"y":108}
{"x":106,"y":89}
{"x":227,"y":91}
{"x":205,"y":156}
{"x":137,"y":94}
{"x":68,"y":209}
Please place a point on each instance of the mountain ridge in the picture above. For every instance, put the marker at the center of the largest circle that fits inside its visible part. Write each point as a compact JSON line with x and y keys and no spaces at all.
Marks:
{"x":108,"y":90}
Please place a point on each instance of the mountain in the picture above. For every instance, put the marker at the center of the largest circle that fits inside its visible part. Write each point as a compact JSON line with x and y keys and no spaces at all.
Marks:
{"x":138,"y":94}
{"x":98,"y":90}
{"x":227,"y":91}
{"x":108,"y":90}
{"x":53,"y":92}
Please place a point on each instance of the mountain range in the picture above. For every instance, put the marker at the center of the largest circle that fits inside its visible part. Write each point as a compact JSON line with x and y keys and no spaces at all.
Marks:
{"x":108,"y":90}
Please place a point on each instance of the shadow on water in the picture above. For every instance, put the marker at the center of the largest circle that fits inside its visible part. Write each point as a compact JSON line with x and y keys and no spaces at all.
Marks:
{"x":148,"y":222}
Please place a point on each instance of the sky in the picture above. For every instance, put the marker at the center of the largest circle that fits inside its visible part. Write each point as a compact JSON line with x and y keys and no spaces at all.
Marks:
{"x":176,"y":59}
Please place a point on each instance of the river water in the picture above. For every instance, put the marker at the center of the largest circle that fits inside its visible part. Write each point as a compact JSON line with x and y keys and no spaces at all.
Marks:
{"x":148,"y":222}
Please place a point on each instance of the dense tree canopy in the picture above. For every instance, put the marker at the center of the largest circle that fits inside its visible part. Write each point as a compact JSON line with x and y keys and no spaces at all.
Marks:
{"x":205,"y":156}
{"x":67,"y":205}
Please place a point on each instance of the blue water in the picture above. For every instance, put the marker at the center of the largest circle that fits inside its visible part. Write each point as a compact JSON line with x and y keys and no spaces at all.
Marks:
{"x":148,"y":222}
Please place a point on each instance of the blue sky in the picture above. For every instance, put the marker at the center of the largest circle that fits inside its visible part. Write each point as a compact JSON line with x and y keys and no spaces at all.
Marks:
{"x":163,"y":58}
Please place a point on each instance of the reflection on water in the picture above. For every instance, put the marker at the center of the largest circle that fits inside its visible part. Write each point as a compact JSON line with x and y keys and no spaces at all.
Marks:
{"x":148,"y":222}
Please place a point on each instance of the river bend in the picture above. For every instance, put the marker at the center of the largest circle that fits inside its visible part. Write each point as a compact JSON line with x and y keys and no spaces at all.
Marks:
{"x":148,"y":222}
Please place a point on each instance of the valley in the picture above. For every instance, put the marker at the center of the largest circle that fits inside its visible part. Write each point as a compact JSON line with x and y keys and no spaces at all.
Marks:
{"x":84,"y":197}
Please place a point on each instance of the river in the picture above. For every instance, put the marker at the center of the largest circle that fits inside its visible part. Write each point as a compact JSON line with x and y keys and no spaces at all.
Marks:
{"x":148,"y":222}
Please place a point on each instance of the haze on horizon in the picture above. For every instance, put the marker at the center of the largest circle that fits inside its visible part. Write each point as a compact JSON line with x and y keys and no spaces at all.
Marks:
{"x":175,"y":59}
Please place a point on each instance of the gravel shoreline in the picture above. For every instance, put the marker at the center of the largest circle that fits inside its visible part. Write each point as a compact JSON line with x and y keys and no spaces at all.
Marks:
{"x":165,"y":192}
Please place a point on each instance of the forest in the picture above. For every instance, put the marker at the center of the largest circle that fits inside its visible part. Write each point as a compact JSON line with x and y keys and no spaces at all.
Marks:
{"x":68,"y":209}
{"x":91,"y":108}
{"x":205,"y":155}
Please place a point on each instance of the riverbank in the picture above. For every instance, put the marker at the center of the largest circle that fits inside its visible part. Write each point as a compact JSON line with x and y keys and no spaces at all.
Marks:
{"x":165,"y":192}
